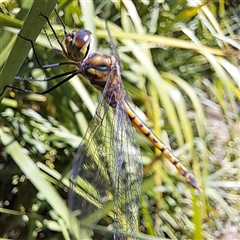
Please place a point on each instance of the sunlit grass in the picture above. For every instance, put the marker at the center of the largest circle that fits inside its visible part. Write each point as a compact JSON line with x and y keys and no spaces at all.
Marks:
{"x":180,"y":67}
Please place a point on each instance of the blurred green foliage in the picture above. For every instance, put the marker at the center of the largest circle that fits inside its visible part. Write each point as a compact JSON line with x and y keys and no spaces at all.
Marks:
{"x":180,"y":64}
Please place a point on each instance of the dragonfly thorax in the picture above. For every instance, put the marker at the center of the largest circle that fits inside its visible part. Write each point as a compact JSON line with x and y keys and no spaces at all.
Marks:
{"x":96,"y":68}
{"x":78,"y":44}
{"x":101,"y":69}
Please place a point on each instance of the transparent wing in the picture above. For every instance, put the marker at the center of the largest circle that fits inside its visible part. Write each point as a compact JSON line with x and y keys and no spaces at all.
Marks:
{"x":92,"y":180}
{"x":108,"y":165}
{"x":127,"y":178}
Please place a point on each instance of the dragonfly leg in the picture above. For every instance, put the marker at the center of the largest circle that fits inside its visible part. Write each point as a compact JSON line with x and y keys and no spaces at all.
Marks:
{"x":63,"y":51}
{"x":37,"y":59}
{"x":44,"y":67}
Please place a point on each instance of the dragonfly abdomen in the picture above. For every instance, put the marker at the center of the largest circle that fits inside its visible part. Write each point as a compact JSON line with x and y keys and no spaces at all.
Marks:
{"x":161,"y":146}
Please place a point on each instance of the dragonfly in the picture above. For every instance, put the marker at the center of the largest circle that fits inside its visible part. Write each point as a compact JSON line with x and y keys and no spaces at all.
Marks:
{"x":107,"y":166}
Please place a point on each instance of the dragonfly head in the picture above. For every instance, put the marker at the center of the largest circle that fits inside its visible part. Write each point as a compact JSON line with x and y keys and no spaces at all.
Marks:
{"x":78,"y":44}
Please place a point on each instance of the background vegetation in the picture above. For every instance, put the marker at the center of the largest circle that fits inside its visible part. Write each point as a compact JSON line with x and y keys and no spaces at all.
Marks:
{"x":180,"y":64}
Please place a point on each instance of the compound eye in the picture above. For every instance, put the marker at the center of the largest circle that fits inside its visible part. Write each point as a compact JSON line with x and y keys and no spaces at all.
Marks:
{"x":78,"y":44}
{"x":82,"y":39}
